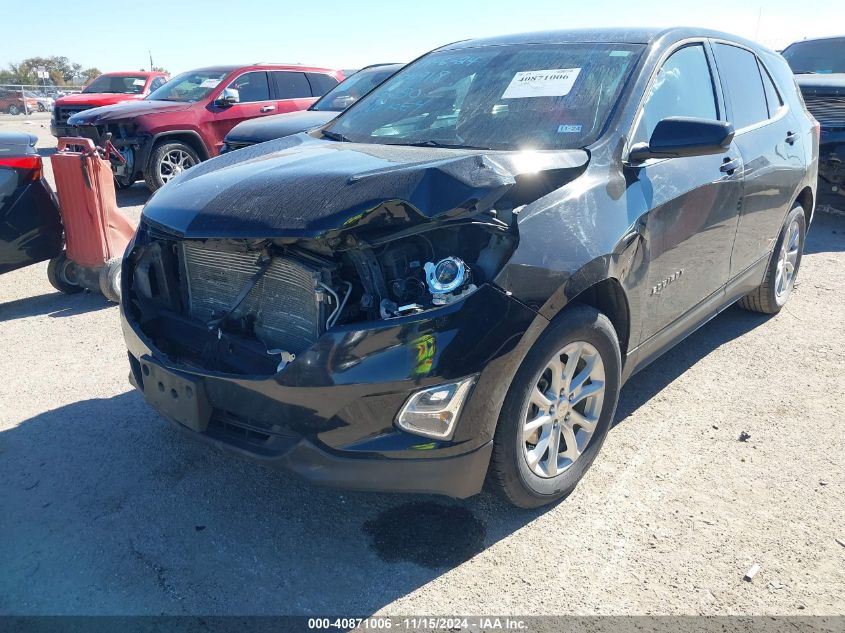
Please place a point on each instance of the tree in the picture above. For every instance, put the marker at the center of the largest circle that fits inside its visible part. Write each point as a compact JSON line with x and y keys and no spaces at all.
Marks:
{"x":59,"y":69}
{"x":89,"y":74}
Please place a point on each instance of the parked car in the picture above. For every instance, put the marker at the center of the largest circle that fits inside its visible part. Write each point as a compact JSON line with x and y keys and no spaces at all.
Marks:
{"x":43,"y":103}
{"x":321,"y":112}
{"x":15,"y":102}
{"x":184,"y":121}
{"x":107,"y":89}
{"x":819,"y":67}
{"x":454,"y":278}
{"x":30,"y":223}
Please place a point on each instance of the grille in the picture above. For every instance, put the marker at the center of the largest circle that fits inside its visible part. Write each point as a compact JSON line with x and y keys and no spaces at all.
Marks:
{"x":828,"y":110}
{"x":285,"y":305}
{"x":63,"y":113}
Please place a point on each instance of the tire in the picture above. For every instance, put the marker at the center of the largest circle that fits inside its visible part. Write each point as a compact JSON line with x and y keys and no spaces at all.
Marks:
{"x":510,"y":469}
{"x":164,"y":159}
{"x":110,"y":280}
{"x":13,"y":109}
{"x":41,"y":107}
{"x":774,"y":291}
{"x":61,"y":272}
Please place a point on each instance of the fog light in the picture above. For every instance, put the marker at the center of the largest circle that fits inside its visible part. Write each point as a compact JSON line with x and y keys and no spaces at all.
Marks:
{"x":433,"y":412}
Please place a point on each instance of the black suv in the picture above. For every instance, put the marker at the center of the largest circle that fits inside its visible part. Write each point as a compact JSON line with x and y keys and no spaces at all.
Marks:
{"x":819,"y":67}
{"x":454,"y":278}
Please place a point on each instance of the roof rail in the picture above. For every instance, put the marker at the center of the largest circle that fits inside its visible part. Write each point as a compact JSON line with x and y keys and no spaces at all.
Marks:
{"x":278,"y":63}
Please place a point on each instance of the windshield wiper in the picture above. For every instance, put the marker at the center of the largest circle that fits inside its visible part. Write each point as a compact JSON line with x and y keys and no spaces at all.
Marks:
{"x":806,"y":72}
{"x":433,"y":143}
{"x":335,"y":136}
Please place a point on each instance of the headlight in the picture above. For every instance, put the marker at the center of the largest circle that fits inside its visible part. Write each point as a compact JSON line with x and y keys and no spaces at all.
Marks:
{"x":433,"y":412}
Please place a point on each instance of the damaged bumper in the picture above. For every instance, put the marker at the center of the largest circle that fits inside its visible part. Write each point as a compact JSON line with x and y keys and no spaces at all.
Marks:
{"x":831,"y":187}
{"x":329,"y":414}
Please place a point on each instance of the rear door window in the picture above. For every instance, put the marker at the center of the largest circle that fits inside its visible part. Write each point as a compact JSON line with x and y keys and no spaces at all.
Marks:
{"x":291,"y":85}
{"x":682,"y":87}
{"x":321,"y":83}
{"x":741,"y":78}
{"x":773,"y":99}
{"x":252,"y":87}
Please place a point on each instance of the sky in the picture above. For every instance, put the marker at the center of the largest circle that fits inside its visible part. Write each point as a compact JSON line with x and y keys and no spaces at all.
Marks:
{"x":186,"y":34}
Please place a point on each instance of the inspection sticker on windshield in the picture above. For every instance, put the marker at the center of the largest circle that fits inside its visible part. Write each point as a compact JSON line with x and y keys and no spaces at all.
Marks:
{"x":210,"y":83}
{"x":556,"y":82}
{"x":139,"y":82}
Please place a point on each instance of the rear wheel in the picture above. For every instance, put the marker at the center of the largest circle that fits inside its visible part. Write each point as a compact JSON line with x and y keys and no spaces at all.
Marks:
{"x":13,"y":109}
{"x":167,"y":161}
{"x":41,"y":107}
{"x":558,"y":410}
{"x":62,"y":274}
{"x":773,"y":293}
{"x":110,"y":280}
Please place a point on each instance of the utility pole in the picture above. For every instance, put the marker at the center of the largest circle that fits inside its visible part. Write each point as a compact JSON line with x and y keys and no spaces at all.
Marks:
{"x":151,"y":60}
{"x":757,"y":30}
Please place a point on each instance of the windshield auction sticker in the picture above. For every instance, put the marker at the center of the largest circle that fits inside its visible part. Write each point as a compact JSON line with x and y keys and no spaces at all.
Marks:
{"x":556,"y":82}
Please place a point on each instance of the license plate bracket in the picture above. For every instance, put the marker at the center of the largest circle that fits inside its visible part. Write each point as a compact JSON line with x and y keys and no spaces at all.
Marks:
{"x":179,"y":397}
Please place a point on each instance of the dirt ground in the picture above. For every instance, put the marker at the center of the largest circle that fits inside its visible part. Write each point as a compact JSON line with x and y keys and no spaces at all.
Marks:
{"x":107,"y":510}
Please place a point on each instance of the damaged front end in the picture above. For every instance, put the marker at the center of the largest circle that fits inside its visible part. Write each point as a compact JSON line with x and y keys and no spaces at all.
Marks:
{"x":312,"y":296}
{"x":251,"y":306}
{"x":397,"y":239}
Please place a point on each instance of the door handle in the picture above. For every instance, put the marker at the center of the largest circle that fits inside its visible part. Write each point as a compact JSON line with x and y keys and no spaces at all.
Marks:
{"x":267,"y":108}
{"x":730,"y":165}
{"x":791,"y":137}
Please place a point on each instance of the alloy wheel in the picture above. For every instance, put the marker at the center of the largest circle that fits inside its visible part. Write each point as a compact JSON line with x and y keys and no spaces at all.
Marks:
{"x":788,"y":260}
{"x":563,"y":409}
{"x":174,"y":163}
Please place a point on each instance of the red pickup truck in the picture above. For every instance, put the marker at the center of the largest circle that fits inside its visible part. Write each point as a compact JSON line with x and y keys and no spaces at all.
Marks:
{"x":107,"y":89}
{"x":185,"y":121}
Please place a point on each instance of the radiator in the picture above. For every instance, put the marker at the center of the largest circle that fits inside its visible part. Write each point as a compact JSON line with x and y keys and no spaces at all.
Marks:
{"x":285,"y":305}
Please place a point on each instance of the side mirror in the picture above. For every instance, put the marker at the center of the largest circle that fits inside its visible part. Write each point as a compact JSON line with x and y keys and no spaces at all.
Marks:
{"x":228,"y":97}
{"x":678,"y":136}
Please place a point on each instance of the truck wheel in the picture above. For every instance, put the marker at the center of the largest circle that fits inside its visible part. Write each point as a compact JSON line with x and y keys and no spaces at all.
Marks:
{"x":41,"y":107}
{"x":110,"y":280}
{"x":558,"y":410}
{"x":61,"y":273}
{"x":772,"y":294}
{"x":168,"y":160}
{"x":13,"y":109}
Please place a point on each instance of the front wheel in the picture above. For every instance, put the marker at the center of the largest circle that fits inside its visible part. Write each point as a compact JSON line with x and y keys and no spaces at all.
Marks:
{"x":168,"y":160}
{"x":41,"y":108}
{"x":558,"y":410}
{"x":13,"y":109}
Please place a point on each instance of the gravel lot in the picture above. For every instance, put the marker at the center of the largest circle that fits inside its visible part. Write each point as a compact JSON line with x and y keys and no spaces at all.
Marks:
{"x":107,"y":510}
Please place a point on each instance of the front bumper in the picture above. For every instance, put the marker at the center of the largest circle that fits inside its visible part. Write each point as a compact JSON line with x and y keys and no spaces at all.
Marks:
{"x":329,"y":414}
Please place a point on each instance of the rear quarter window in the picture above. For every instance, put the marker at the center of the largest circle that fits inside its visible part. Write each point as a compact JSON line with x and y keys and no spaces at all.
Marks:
{"x":320,"y":83}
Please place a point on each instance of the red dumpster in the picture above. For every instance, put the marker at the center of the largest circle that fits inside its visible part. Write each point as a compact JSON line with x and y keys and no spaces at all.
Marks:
{"x":96,"y":232}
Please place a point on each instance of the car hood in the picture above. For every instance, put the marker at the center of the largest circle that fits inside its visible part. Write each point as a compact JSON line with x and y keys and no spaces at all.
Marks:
{"x":300,"y":186}
{"x":826,"y":84}
{"x":96,"y":98}
{"x":269,"y":127}
{"x":125,"y":110}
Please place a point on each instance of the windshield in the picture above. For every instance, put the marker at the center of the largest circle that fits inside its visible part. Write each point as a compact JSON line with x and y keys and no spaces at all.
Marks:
{"x":350,"y":90}
{"x":190,"y":86}
{"x":535,"y":96}
{"x":117,"y":84}
{"x":817,"y":56}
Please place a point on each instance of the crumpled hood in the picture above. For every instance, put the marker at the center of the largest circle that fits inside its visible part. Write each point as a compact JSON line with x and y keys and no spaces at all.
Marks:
{"x":125,"y":110}
{"x":96,"y":98}
{"x":300,"y":186}
{"x":278,"y":125}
